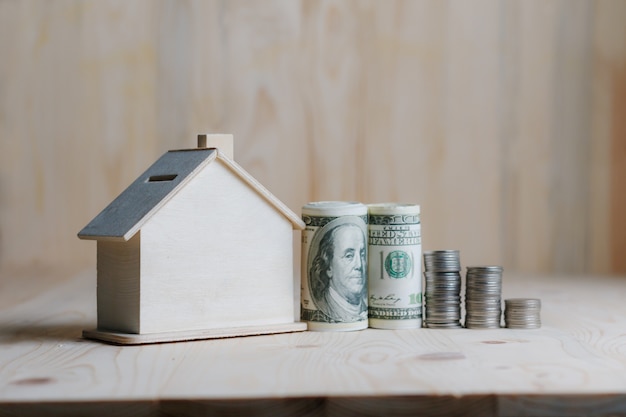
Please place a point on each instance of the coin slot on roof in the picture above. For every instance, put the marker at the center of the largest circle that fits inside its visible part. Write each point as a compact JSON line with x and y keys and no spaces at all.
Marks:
{"x":161,"y":178}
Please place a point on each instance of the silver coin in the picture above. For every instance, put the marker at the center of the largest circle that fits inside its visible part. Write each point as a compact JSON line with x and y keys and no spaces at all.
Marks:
{"x":444,"y":326}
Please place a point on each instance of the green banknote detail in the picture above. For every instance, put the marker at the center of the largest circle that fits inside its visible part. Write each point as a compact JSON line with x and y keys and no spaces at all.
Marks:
{"x":398,"y":264}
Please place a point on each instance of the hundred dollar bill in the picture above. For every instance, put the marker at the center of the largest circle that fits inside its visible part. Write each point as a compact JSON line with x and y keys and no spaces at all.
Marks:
{"x":334,"y":266}
{"x":394,"y":266}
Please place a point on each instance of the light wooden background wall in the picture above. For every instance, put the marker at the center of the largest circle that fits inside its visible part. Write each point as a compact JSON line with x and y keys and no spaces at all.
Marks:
{"x":505,"y":120}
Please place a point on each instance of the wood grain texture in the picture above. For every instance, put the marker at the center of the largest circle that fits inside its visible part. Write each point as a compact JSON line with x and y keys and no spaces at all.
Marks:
{"x":503,"y":120}
{"x":574,"y":365}
{"x":612,"y":72}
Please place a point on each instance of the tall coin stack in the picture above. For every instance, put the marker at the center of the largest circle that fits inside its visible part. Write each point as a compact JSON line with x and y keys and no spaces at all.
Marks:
{"x":442,"y":273}
{"x":483,"y":297}
{"x":522,"y":313}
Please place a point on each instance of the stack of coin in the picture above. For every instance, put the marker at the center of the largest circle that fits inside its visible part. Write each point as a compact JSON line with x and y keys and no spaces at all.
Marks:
{"x":442,"y":271}
{"x":483,"y":297}
{"x":522,"y":313}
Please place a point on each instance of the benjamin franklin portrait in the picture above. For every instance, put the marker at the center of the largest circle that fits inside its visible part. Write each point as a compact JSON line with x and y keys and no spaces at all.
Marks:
{"x":338,"y":272}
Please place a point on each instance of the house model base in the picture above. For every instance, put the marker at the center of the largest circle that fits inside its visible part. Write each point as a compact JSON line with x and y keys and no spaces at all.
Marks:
{"x":185,"y":336}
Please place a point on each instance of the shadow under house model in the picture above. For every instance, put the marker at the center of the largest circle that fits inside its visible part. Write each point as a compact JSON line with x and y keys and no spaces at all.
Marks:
{"x":195,"y":248}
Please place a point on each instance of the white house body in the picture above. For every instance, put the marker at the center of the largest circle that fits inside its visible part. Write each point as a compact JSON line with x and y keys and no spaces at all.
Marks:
{"x":194,"y":244}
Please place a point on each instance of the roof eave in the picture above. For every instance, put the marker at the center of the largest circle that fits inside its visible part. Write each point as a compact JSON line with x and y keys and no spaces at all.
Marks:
{"x":103,"y":238}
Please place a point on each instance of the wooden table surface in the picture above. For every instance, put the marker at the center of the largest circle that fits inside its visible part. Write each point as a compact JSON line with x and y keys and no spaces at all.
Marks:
{"x":574,"y":365}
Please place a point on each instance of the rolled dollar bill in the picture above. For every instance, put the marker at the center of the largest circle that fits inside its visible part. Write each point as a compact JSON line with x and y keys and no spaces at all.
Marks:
{"x":334,"y":266}
{"x":394,"y":266}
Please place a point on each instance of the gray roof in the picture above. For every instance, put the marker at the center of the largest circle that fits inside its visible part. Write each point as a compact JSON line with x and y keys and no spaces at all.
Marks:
{"x":152,"y":187}
{"x":121,"y":219}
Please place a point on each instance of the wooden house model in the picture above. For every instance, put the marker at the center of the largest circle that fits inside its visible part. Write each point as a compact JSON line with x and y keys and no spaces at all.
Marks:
{"x":194,"y":248}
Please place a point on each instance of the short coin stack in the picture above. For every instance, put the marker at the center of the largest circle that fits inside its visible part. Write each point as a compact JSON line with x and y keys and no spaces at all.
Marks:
{"x":483,"y":297}
{"x":522,"y":313}
{"x":443,"y":288}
